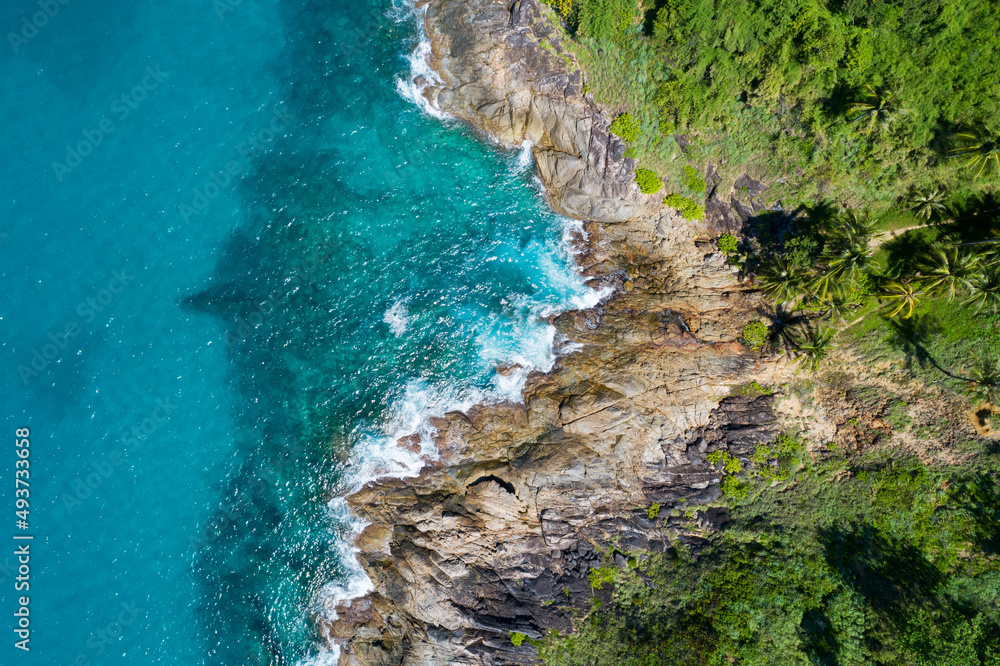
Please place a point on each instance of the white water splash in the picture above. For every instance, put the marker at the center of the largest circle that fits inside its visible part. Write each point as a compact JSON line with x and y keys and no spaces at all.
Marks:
{"x":397,"y":316}
{"x":376,"y":453}
{"x":524,"y":157}
{"x":421,"y":75}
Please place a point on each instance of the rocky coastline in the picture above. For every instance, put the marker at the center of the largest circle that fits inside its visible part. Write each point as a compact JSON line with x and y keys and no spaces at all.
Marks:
{"x":498,"y":534}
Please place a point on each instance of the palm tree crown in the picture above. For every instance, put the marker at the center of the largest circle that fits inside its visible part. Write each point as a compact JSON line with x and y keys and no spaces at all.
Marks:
{"x":981,"y":145}
{"x":900,"y":295}
{"x":949,"y":271}
{"x":880,"y":107}
{"x":985,"y":385}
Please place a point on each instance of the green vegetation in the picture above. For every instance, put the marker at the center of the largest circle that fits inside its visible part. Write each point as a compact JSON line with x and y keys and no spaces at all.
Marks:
{"x":604,"y":20}
{"x":895,"y":563}
{"x":517,"y":638}
{"x":649,"y":182}
{"x":848,"y":554}
{"x":981,"y":146}
{"x":626,"y":127}
{"x":756,"y":334}
{"x":693,"y":180}
{"x":751,"y":389}
{"x":601,"y":576}
{"x":564,"y":7}
{"x":653,"y":511}
{"x":727,"y":244}
{"x":863,"y":101}
{"x":689,"y":208}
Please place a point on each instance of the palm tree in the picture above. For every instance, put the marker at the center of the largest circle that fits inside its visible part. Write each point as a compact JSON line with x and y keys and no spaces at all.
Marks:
{"x":782,"y":326}
{"x":899,"y":295}
{"x":784,"y":282}
{"x":847,"y":252}
{"x":981,"y":145}
{"x":947,"y":271}
{"x":986,"y":289}
{"x":880,"y":107}
{"x":928,"y":203}
{"x":815,"y":347}
{"x":985,"y":384}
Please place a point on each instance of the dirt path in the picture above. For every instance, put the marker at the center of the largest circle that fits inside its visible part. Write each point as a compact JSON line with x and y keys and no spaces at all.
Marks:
{"x":885,"y":236}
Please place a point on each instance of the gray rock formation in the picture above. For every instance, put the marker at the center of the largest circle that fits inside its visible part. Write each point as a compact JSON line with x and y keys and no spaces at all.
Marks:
{"x":499,"y":532}
{"x":505,"y":71}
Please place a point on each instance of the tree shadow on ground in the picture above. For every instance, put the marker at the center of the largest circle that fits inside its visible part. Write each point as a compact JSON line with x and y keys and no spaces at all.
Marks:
{"x":893,"y":576}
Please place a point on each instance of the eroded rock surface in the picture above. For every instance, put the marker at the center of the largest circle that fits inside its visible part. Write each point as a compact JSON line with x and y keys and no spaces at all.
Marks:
{"x":499,"y":532}
{"x":505,"y":71}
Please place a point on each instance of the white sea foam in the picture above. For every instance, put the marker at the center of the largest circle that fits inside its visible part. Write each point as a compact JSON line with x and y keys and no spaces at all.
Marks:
{"x":523,"y":158}
{"x":421,"y":74}
{"x":397,"y":316}
{"x":523,"y":343}
{"x":322,"y":658}
{"x":530,"y":345}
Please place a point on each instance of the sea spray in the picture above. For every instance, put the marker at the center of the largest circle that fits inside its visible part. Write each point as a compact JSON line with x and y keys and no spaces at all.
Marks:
{"x":519,"y":342}
{"x":421,"y":75}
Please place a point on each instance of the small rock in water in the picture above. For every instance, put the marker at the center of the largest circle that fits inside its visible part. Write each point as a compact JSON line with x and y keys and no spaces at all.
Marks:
{"x":409,"y":443}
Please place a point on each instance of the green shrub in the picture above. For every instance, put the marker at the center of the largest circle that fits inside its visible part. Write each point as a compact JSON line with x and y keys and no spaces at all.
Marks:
{"x":626,"y":127}
{"x":756,"y":334}
{"x":601,"y":575}
{"x":730,"y":464}
{"x":604,"y":20}
{"x":735,"y":488}
{"x":751,"y":389}
{"x":786,"y":445}
{"x":648,"y":181}
{"x":564,"y":7}
{"x":727,"y":244}
{"x":517,"y":638}
{"x":693,"y":180}
{"x":690,"y":209}
{"x":653,"y":511}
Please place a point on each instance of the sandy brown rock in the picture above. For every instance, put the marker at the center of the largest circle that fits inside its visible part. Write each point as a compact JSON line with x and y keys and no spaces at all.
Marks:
{"x":498,"y":534}
{"x":505,"y":71}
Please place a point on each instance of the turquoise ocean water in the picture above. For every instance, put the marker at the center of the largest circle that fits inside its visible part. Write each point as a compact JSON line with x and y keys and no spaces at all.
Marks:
{"x":238,"y":261}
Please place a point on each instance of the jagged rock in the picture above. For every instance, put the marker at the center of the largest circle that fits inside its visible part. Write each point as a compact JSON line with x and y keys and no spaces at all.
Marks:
{"x":498,"y":533}
{"x":498,"y":76}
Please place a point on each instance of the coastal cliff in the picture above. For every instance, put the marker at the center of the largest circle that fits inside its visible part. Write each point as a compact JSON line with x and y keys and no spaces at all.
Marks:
{"x":498,"y":534}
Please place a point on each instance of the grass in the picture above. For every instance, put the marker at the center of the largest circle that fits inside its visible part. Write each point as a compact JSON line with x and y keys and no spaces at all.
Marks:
{"x":852,"y":559}
{"x":941,"y":334}
{"x":893,"y":220}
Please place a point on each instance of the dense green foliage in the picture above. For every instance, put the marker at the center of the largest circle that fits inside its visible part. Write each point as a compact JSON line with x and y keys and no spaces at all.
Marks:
{"x":727,"y":244}
{"x":626,"y":127}
{"x":693,"y":180}
{"x":604,"y":19}
{"x":860,"y":99}
{"x":649,"y":182}
{"x":894,"y":563}
{"x":756,"y":334}
{"x":888,"y":108}
{"x":689,"y":208}
{"x":928,"y":300}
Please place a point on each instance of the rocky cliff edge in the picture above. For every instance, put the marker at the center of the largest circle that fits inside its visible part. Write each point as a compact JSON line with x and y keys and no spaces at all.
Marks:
{"x":498,"y":533}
